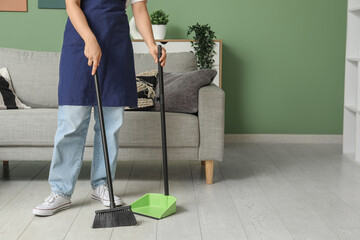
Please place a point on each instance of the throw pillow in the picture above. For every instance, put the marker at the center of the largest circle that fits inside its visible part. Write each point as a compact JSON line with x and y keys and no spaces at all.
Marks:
{"x":181,"y":90}
{"x":146,"y":84}
{"x":8,"y":98}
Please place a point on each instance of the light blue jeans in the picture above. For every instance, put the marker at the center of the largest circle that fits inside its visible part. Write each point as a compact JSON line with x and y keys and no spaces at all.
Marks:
{"x":69,"y":143}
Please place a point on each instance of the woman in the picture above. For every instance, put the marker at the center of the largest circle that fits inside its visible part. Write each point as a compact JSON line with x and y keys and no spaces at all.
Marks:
{"x":96,"y":38}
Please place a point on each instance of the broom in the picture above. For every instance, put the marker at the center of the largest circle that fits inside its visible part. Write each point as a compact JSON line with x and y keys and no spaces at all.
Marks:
{"x":115,"y":216}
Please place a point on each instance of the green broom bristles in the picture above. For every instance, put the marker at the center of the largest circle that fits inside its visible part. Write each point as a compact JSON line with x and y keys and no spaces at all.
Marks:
{"x":114,"y":217}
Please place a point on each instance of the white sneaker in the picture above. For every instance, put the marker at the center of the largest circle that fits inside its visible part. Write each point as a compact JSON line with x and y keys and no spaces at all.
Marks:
{"x":53,"y":203}
{"x":101,"y":193}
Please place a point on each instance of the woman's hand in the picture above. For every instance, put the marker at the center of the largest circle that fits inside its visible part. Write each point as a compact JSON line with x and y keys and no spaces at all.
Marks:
{"x":153,"y":50}
{"x":93,"y":53}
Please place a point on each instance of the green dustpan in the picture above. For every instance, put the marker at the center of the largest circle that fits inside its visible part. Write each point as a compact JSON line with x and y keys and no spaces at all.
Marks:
{"x":157,"y":205}
{"x":154,"y":205}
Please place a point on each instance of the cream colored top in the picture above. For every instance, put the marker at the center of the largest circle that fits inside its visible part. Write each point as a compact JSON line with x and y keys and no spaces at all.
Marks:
{"x":133,"y":1}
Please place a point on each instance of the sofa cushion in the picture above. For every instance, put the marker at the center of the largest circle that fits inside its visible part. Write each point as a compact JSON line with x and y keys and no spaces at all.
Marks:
{"x":37,"y":127}
{"x":181,"y":90}
{"x":8,"y":98}
{"x":146,"y":84}
{"x":35,"y":75}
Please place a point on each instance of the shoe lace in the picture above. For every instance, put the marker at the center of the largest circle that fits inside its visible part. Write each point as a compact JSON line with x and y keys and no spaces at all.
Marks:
{"x":51,"y":198}
{"x":104,"y":191}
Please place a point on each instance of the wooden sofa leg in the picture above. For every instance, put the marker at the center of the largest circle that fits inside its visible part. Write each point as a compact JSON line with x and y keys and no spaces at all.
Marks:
{"x":209,"y":170}
{"x":5,"y":163}
{"x":202,"y":162}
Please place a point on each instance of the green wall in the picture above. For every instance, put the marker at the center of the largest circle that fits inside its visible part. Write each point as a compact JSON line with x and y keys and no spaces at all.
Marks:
{"x":283,"y":60}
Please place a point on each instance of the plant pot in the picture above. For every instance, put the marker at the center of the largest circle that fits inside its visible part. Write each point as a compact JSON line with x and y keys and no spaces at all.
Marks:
{"x":159,"y":31}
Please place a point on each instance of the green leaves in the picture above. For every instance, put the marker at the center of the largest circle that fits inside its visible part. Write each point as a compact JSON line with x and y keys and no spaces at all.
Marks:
{"x":203,"y":44}
{"x":159,"y":17}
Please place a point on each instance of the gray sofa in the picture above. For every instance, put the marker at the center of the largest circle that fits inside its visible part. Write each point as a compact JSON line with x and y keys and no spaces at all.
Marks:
{"x":28,"y":134}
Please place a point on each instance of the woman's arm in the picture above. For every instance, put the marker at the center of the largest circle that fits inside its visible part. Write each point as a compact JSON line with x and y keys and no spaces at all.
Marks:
{"x":143,"y":24}
{"x":77,"y":17}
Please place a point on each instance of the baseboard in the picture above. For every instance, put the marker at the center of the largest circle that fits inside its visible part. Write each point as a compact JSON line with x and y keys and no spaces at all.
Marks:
{"x":285,"y":138}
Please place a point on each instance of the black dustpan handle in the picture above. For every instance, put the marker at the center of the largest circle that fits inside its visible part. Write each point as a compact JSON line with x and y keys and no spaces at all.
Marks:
{"x":163,"y":127}
{"x":103,"y":136}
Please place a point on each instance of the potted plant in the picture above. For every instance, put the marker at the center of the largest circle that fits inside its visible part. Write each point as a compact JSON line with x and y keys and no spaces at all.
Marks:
{"x":203,"y":44}
{"x":159,"y":19}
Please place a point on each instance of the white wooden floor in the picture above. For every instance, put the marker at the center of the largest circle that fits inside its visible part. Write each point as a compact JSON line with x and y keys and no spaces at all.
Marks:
{"x":260,"y":191}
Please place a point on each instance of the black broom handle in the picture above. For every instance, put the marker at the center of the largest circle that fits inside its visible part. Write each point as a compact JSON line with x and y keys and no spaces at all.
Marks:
{"x":103,"y":136}
{"x":163,"y":127}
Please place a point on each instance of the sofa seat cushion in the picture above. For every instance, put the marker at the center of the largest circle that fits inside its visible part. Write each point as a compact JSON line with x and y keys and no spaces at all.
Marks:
{"x":37,"y":127}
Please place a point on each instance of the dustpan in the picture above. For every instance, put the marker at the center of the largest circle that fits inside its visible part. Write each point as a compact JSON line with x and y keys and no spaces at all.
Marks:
{"x":157,"y":205}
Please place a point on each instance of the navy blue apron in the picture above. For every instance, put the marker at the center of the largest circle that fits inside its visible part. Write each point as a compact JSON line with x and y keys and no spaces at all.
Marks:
{"x":108,"y":21}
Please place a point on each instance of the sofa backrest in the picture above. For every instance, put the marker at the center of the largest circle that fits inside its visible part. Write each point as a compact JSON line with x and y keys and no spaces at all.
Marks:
{"x":35,"y":74}
{"x":175,"y":62}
